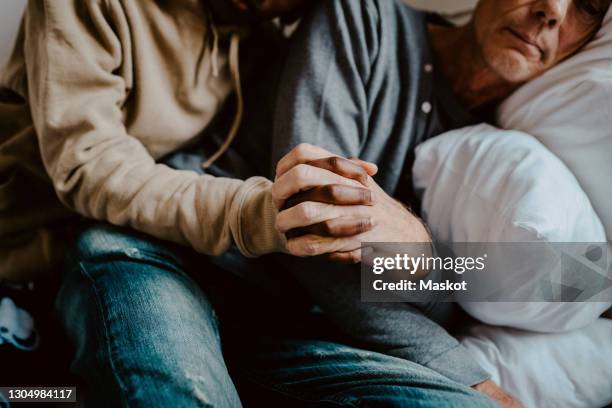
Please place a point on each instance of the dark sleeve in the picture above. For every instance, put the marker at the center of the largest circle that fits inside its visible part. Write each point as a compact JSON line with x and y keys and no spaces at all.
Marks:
{"x":323,"y":100}
{"x":403,"y":330}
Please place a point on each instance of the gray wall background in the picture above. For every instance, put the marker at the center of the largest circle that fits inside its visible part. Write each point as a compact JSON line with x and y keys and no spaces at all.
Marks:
{"x":10,"y":16}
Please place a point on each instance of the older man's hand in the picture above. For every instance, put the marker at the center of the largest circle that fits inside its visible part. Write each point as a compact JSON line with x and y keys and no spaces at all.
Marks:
{"x":336,"y":205}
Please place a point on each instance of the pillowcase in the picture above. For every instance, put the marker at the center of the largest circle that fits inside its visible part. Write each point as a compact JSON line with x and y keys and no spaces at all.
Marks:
{"x":569,"y":110}
{"x":482,"y":184}
{"x":570,"y":370}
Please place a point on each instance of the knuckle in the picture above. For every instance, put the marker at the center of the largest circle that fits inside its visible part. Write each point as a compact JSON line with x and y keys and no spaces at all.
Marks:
{"x":306,"y":210}
{"x":365,"y":224}
{"x":311,"y":248}
{"x":302,"y":172}
{"x":363,"y":176}
{"x":332,"y":192}
{"x":329,"y":227}
{"x":302,"y":149}
{"x":293,"y":247}
{"x":334,"y":162}
{"x":365,"y":195}
{"x":359,"y":169}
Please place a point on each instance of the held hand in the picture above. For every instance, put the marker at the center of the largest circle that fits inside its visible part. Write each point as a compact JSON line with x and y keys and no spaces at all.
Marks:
{"x":337,"y":219}
{"x":295,"y":172}
{"x":311,"y":173}
{"x":347,"y":226}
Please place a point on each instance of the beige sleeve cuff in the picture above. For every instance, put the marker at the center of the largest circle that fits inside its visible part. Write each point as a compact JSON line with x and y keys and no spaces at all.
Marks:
{"x":256,"y":233}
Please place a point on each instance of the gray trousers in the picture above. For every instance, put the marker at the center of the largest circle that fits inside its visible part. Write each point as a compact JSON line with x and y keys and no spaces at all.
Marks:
{"x":351,"y":81}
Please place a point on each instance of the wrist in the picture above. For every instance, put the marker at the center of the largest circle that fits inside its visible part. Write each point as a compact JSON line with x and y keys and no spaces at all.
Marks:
{"x":257,"y":231}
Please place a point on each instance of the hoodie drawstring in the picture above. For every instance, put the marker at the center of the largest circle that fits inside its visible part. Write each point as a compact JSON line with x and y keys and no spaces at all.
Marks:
{"x":215,"y":50}
{"x":234,"y":66}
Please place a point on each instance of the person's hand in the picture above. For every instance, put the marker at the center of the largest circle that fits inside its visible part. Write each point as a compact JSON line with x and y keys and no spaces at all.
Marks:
{"x":497,"y":394}
{"x":335,"y":211}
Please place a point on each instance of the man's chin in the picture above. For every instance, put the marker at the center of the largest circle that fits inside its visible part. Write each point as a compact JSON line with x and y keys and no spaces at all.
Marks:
{"x":513,"y":67}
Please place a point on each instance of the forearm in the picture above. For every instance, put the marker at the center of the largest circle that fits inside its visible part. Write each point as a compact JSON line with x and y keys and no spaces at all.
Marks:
{"x":125,"y":187}
{"x":398,"y":329}
{"x":77,"y":57}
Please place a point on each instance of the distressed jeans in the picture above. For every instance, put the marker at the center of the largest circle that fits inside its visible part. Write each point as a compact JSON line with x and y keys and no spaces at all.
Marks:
{"x":145,"y":332}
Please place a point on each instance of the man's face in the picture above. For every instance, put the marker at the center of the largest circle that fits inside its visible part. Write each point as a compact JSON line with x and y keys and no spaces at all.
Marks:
{"x":269,"y":8}
{"x":520,"y":39}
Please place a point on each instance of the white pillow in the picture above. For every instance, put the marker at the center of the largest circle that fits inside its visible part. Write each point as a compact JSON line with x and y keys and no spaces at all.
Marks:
{"x":482,"y":184}
{"x":569,"y":109}
{"x":570,"y":370}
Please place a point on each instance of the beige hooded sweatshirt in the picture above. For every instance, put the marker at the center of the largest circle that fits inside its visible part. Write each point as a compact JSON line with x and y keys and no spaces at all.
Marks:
{"x":95,"y":92}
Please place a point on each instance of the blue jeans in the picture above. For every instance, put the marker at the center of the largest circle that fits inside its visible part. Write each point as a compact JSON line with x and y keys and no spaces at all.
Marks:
{"x":145,"y":333}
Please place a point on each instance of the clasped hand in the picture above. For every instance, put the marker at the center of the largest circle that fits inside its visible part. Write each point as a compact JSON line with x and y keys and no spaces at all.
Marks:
{"x":329,"y":205}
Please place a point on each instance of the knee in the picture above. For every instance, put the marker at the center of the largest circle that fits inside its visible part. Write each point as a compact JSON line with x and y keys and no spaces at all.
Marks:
{"x":110,"y":266}
{"x":107,"y":263}
{"x":103,"y":240}
{"x":104,"y":243}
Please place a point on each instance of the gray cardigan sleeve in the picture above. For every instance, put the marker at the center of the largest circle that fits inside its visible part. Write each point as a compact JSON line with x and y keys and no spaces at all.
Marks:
{"x":348,"y":86}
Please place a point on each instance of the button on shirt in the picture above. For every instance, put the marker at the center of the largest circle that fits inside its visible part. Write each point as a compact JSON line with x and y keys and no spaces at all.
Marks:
{"x":440,"y":111}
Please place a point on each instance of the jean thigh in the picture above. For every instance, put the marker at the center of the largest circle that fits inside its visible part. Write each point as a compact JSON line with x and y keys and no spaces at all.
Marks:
{"x":303,"y":372}
{"x":144,"y":331}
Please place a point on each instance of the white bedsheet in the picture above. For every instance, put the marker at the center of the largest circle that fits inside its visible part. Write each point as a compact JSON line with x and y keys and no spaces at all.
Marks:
{"x":568,"y":370}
